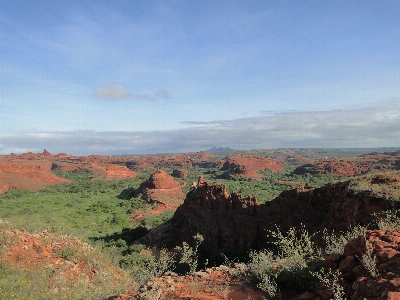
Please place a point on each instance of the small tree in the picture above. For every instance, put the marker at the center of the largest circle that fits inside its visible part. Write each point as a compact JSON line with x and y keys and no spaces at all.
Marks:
{"x":189,"y":255}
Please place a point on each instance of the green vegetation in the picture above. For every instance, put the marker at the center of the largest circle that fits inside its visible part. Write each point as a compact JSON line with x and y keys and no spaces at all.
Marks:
{"x":330,"y":279}
{"x":388,"y":220}
{"x":189,"y":255}
{"x":31,"y":281}
{"x":100,"y":213}
{"x":82,"y":208}
{"x":335,"y":242}
{"x":289,"y":267}
{"x":266,"y":188}
{"x":378,"y":184}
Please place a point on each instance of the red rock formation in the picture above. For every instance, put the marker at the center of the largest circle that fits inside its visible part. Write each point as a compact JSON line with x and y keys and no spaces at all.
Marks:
{"x":180,"y":174}
{"x":248,"y":166}
{"x":160,"y":180}
{"x":162,"y":189}
{"x":230,"y":223}
{"x":46,"y":153}
{"x":353,"y":166}
{"x":358,"y":282}
{"x":22,"y":173}
{"x":118,"y":172}
{"x":186,"y":160}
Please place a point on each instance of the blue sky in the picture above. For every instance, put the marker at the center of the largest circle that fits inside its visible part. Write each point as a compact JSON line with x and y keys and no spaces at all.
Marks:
{"x":118,"y":77}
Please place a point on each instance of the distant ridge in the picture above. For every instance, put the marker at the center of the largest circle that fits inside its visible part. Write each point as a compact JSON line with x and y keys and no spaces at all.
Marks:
{"x":220,"y":149}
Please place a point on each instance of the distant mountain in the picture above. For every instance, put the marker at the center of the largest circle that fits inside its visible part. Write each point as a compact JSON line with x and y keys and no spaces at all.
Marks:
{"x":220,"y":149}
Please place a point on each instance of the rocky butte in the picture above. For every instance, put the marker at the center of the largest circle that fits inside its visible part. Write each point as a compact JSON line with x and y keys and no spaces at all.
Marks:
{"x":160,"y":189}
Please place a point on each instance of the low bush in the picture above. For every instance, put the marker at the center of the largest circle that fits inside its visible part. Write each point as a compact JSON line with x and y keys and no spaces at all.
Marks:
{"x":189,"y":256}
{"x":388,"y":220}
{"x":143,"y":266}
{"x":291,"y":265}
{"x":334,"y":243}
{"x":331,"y":280}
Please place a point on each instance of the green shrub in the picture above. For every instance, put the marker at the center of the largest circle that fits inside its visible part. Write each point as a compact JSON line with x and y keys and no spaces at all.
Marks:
{"x":369,"y":262}
{"x":189,"y":255}
{"x":290,"y":267}
{"x":144,"y":267}
{"x":331,"y":281}
{"x":67,"y":254}
{"x":388,"y":220}
{"x":296,"y":246}
{"x":334,"y":243}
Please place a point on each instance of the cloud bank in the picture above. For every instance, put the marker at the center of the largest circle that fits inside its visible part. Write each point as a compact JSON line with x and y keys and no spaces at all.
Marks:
{"x":376,"y":126}
{"x":118,"y":92}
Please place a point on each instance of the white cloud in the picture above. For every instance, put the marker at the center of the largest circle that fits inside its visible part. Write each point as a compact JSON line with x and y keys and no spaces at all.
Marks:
{"x":118,"y":92}
{"x":350,"y":128}
{"x":113,"y":92}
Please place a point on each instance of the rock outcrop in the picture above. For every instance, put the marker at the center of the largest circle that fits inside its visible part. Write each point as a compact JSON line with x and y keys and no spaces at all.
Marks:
{"x":249,"y":166}
{"x":30,"y":174}
{"x":231,"y":223}
{"x":177,"y":173}
{"x":161,"y":181}
{"x":363,"y":164}
{"x":161,"y":189}
{"x":378,"y":279}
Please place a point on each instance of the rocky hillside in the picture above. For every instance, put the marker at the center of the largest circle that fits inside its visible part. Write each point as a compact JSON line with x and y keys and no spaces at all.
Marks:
{"x":75,"y":270}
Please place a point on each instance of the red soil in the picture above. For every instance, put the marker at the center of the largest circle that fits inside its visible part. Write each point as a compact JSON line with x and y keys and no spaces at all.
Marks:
{"x":212,"y":284}
{"x":32,"y":251}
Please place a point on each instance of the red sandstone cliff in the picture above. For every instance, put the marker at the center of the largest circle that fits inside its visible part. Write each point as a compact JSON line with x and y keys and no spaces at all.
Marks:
{"x":30,"y":174}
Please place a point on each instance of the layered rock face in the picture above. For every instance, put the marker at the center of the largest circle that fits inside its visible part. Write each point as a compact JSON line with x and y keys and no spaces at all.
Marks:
{"x":115,"y":172}
{"x":103,"y":170}
{"x":21,"y":173}
{"x":187,"y":160}
{"x":234,"y":224}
